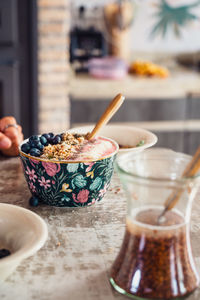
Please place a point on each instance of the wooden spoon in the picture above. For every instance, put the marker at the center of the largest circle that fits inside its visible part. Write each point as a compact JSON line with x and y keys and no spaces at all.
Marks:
{"x":113,"y":106}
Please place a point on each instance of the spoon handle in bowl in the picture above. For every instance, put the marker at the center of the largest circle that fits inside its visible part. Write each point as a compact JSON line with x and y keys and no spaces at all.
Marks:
{"x":113,"y":106}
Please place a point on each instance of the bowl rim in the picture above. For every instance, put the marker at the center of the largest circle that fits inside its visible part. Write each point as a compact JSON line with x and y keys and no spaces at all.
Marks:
{"x":128,"y":127}
{"x":69,"y":161}
{"x":124,"y":159}
{"x":28,"y":250}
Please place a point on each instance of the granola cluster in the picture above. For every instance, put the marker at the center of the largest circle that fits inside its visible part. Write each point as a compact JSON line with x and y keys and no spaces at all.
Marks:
{"x":68,"y":147}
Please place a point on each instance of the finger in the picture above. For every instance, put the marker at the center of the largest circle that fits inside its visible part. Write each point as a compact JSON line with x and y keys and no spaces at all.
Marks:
{"x":19,"y":128}
{"x":6,"y":121}
{"x":13,"y":134}
{"x":12,"y":151}
{"x":21,"y":137}
{"x":5,"y":142}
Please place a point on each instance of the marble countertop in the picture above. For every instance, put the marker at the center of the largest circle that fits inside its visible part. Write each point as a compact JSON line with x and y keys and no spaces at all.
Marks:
{"x":82,"y":244}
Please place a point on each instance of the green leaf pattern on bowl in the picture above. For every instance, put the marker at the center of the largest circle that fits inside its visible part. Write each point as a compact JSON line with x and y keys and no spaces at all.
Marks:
{"x":68,"y":184}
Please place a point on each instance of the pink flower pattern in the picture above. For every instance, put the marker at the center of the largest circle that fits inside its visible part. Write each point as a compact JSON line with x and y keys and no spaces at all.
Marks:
{"x":33,"y":161}
{"x":31,"y":174}
{"x":51,"y":168}
{"x":32,"y":187}
{"x":44,"y":183}
{"x":103,"y":191}
{"x":93,"y":201}
{"x":90,"y":165}
{"x":82,"y":196}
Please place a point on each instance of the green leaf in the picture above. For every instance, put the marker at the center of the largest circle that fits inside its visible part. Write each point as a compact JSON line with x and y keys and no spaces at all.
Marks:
{"x":96,"y":185}
{"x":60,"y":177}
{"x":65,"y":198}
{"x":172,"y":17}
{"x":79,"y":181}
{"x":141,"y":143}
{"x":72,"y":168}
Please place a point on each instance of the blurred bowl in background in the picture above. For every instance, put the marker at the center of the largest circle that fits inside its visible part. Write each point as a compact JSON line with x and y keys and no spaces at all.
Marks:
{"x":107,"y":68}
{"x":22,"y":232}
{"x":126,"y":136}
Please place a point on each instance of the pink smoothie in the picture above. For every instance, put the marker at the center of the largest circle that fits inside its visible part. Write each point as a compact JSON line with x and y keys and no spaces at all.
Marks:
{"x":95,"y":149}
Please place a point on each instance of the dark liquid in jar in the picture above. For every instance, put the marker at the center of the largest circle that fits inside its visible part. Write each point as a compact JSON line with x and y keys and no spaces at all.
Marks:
{"x":155,"y":263}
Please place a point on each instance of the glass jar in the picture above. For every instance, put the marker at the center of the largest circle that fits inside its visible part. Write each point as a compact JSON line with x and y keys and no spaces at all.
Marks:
{"x":155,"y":260}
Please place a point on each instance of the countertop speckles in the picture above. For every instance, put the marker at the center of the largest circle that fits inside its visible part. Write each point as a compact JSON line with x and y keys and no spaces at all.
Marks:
{"x":82,"y":244}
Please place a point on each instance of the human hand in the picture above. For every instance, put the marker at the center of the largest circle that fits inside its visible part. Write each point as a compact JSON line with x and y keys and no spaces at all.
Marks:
{"x":10,"y":136}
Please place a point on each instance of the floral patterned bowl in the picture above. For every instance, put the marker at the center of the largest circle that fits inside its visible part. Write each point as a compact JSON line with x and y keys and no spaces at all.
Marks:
{"x":67,"y":183}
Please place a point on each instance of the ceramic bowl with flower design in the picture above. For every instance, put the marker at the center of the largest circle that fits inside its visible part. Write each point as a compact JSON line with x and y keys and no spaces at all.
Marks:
{"x":68,"y":183}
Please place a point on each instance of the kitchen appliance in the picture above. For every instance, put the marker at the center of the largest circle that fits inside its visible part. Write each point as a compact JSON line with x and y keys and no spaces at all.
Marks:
{"x":86,"y":37}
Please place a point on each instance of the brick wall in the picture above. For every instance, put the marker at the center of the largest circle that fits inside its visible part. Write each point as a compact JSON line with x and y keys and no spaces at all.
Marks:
{"x":53,"y":65}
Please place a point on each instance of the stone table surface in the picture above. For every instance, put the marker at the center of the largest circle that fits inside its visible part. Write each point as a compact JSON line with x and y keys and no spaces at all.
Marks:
{"x":82,"y":244}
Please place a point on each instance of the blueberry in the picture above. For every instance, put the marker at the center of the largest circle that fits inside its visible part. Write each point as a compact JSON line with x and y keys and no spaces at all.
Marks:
{"x":4,"y":253}
{"x":51,"y":141}
{"x":39,"y":146}
{"x":35,"y":152}
{"x":34,"y":201}
{"x":26,"y":147}
{"x":51,"y":138}
{"x":34,"y":143}
{"x":46,"y":135}
{"x":34,"y":138}
{"x":43,"y":140}
{"x":51,"y":134}
{"x":56,"y":139}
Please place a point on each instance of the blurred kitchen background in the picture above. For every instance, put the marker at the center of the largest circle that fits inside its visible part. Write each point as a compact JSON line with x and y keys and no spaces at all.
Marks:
{"x":62,"y":61}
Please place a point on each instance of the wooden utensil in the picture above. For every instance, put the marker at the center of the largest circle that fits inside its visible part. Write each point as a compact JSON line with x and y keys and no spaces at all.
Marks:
{"x":191,"y":170}
{"x":107,"y":115}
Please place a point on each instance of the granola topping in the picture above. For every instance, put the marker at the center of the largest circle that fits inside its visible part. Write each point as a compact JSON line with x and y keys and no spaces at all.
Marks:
{"x":77,"y":147}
